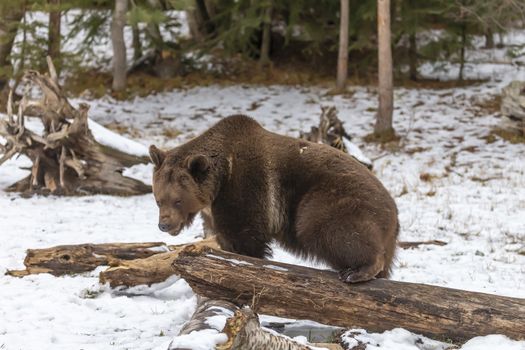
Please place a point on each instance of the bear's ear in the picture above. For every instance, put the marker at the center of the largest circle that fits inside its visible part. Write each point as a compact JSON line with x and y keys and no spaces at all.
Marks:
{"x":157,"y":156}
{"x":198,"y":166}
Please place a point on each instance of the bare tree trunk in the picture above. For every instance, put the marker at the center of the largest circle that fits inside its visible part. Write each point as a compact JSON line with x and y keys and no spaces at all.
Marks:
{"x":412,"y":56}
{"x":153,"y":28}
{"x":383,"y":127}
{"x":462,"y":51}
{"x":53,"y":49}
{"x":266,"y":36}
{"x":10,"y":17}
{"x":489,"y":39}
{"x":205,"y":15}
{"x":119,"y":45}
{"x":72,"y":259}
{"x":342,"y":59}
{"x":137,"y":46}
{"x":194,"y":23}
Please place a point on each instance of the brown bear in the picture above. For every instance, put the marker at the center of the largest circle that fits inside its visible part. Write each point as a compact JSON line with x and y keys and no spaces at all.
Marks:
{"x":257,"y":186}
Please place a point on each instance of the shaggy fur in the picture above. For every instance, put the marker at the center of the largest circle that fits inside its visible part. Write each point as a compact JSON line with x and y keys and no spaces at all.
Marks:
{"x":256,"y":186}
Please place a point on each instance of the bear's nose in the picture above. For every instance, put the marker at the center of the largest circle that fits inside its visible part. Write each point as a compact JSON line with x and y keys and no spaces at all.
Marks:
{"x":164,"y":227}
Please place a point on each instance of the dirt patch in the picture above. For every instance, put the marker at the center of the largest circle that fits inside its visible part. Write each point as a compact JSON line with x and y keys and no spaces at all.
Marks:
{"x":510,"y":136}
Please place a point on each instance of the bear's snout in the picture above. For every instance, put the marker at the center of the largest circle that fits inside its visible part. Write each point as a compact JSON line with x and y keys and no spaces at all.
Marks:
{"x":164,"y":227}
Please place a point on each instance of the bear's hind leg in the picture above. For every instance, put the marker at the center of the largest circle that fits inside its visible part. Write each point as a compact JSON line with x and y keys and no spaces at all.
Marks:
{"x":353,"y":245}
{"x":363,"y":273}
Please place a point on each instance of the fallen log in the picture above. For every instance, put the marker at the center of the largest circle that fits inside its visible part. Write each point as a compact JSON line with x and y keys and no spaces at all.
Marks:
{"x":240,"y":327}
{"x":415,"y":244}
{"x":154,"y":269}
{"x":71,"y":259}
{"x":199,"y":322}
{"x":245,"y":333}
{"x":78,"y":258}
{"x":303,"y":293}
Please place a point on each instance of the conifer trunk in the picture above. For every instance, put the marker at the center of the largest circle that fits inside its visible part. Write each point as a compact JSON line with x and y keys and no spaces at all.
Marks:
{"x":462,"y":51}
{"x":412,"y":56}
{"x":489,"y":39}
{"x":383,"y":128}
{"x":266,"y":36}
{"x":54,"y":33}
{"x":137,"y":46}
{"x":342,"y":60}
{"x":119,"y":46}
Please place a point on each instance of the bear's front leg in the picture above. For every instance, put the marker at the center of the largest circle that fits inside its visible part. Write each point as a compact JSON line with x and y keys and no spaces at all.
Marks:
{"x":246,"y":242}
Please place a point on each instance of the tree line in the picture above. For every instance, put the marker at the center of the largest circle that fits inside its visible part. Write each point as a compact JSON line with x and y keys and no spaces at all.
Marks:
{"x":358,"y":37}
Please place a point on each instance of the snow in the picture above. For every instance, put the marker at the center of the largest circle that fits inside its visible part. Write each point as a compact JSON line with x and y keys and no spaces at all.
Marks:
{"x":449,"y":184}
{"x":401,"y":339}
{"x":111,"y":139}
{"x":232,"y":261}
{"x":199,"y":340}
{"x":396,"y":338}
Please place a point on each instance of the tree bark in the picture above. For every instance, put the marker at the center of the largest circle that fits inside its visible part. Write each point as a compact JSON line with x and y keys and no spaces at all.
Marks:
{"x":154,"y":269}
{"x":462,"y":50}
{"x":298,"y":292}
{"x":264,"y":59}
{"x":54,"y":33}
{"x":137,"y":46}
{"x":342,"y":59}
{"x":71,"y":259}
{"x":204,"y":14}
{"x":489,"y":39}
{"x":412,"y":56}
{"x":383,"y":127}
{"x":10,"y":17}
{"x":242,"y":328}
{"x":119,"y":45}
{"x":195,"y":24}
{"x":245,"y":333}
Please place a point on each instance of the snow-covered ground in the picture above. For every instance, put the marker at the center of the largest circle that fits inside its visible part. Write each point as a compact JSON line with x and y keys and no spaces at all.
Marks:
{"x":449,"y":183}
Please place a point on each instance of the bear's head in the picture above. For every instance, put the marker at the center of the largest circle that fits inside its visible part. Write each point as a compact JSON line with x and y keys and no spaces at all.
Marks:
{"x":181,"y":187}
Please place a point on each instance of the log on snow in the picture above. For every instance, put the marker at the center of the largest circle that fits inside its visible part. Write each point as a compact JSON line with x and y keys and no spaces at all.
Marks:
{"x":154,"y":269}
{"x":78,"y":258}
{"x":242,"y":328}
{"x":298,"y":292}
{"x":71,"y":259}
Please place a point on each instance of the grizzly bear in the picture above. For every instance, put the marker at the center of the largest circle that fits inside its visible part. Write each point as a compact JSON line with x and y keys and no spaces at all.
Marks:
{"x":257,"y":186}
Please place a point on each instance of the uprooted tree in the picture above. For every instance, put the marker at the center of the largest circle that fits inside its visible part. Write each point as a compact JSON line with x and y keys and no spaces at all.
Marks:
{"x":66,"y":158}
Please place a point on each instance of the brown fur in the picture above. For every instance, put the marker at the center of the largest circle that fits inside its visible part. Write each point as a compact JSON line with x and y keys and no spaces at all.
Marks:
{"x":257,"y":186}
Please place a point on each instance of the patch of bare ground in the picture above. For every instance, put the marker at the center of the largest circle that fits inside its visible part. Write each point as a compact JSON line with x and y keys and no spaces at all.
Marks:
{"x":510,"y":136}
{"x":490,"y":105}
{"x":435,"y":84}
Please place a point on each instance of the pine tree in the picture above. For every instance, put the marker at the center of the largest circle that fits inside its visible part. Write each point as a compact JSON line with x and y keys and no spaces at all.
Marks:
{"x":383,"y":128}
{"x":119,"y":46}
{"x":342,"y":60}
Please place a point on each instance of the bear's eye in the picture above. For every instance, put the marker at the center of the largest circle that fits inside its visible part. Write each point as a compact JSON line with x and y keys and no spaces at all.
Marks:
{"x":178,"y":203}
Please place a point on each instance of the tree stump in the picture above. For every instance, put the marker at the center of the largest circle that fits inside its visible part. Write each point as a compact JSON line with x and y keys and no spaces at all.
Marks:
{"x":67,"y":160}
{"x":513,"y":108}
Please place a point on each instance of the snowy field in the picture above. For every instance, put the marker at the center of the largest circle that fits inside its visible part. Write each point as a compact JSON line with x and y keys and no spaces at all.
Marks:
{"x":449,"y":183}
